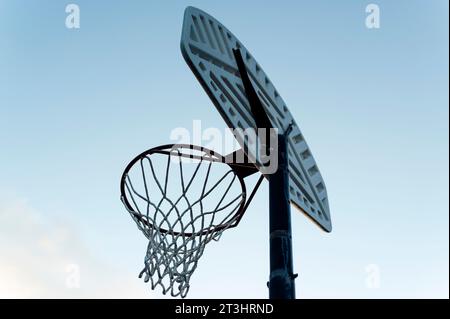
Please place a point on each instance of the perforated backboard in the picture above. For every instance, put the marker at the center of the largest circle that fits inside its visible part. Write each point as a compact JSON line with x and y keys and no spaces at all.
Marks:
{"x":207,"y":48}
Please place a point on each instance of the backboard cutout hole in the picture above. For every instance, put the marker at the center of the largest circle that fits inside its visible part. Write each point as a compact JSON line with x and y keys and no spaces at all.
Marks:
{"x":320,"y":187}
{"x":306,"y":154}
{"x":298,"y":138}
{"x":313,"y":170}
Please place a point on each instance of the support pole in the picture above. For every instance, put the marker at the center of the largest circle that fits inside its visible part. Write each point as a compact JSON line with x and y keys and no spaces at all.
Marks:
{"x":282,"y":279}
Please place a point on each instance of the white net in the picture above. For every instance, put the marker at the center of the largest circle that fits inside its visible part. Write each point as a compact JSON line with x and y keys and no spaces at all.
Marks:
{"x":181,"y":198}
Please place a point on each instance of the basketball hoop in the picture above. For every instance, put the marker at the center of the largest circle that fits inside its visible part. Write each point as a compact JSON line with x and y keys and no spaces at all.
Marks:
{"x":182,"y":197}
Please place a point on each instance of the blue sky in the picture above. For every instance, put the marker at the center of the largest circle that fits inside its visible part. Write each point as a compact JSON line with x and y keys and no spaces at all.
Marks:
{"x":77,"y":105}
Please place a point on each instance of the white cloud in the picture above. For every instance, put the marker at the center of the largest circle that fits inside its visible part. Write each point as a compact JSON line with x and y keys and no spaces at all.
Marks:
{"x":41,"y":257}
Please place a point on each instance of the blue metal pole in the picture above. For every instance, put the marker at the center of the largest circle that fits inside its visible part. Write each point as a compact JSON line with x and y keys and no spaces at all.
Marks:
{"x":282,"y":279}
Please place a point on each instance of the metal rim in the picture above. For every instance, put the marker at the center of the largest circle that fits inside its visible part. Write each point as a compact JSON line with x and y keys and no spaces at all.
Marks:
{"x":234,"y":221}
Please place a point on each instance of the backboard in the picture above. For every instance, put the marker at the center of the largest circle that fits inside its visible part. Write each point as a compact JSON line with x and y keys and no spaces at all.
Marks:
{"x":207,"y":47}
